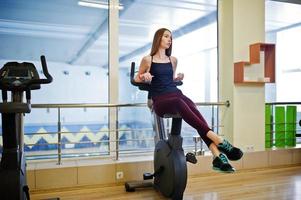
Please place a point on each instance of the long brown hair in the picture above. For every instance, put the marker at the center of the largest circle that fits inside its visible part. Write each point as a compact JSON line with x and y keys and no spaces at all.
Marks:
{"x":157,"y":41}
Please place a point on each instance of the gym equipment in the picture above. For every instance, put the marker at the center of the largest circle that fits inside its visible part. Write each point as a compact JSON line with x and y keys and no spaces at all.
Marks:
{"x":170,"y":167}
{"x":201,"y":151}
{"x":16,"y":78}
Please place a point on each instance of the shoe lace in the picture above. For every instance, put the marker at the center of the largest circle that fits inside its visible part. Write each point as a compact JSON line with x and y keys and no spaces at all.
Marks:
{"x":223,"y":158}
{"x":227,"y":146}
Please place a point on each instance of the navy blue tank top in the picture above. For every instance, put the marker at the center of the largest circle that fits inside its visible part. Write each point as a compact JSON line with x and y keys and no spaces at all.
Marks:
{"x":162,"y":82}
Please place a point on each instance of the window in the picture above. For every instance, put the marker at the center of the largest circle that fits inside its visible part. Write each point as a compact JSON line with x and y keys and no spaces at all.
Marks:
{"x":74,"y":38}
{"x":283,"y":28}
{"x":194,"y":27}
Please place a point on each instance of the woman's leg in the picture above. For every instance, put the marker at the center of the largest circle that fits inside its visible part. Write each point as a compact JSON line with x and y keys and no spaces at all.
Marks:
{"x":174,"y":105}
{"x":214,"y":150}
{"x":214,"y":137}
{"x":232,"y":153}
{"x":210,"y":134}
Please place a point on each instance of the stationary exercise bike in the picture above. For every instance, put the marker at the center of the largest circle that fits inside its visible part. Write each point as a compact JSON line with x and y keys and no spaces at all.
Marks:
{"x":170,"y":167}
{"x":16,"y":78}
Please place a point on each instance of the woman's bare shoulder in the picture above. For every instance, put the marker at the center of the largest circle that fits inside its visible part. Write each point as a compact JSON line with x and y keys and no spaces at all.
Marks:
{"x":145,"y":63}
{"x":147,"y":59}
{"x":173,"y":59}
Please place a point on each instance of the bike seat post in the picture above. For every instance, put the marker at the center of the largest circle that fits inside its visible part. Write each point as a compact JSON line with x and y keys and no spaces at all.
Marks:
{"x":176,"y":123}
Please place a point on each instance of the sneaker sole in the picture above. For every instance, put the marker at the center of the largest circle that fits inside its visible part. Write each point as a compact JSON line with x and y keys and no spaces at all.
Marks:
{"x":219,"y":170}
{"x":240,"y":156}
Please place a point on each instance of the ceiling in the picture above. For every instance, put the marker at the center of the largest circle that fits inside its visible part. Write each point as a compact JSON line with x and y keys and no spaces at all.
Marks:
{"x":67,"y":32}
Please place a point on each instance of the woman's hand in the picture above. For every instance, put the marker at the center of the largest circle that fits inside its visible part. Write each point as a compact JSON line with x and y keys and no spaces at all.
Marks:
{"x":180,"y":77}
{"x":146,"y":77}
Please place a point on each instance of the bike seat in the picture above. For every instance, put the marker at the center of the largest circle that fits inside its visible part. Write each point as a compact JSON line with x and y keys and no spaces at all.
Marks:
{"x":172,"y":116}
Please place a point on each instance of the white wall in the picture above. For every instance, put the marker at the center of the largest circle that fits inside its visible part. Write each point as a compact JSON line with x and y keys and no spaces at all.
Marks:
{"x":241,"y":24}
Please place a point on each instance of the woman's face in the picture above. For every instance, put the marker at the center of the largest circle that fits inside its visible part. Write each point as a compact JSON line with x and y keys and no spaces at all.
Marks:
{"x":166,"y":40}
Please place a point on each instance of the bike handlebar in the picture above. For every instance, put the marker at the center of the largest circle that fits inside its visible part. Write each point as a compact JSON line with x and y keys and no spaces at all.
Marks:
{"x":45,"y":72}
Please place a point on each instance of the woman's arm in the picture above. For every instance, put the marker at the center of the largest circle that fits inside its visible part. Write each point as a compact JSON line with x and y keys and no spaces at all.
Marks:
{"x":179,"y":76}
{"x":143,"y":73}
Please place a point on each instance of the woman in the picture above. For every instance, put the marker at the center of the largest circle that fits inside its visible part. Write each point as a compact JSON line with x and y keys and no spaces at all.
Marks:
{"x":159,"y":69}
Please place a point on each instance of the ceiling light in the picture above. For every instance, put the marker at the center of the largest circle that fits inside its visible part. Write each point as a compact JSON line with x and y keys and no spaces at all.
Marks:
{"x":97,"y":4}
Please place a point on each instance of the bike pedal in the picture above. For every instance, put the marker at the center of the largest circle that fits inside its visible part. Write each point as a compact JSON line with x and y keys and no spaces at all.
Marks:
{"x":190,"y":157}
{"x":148,"y":176}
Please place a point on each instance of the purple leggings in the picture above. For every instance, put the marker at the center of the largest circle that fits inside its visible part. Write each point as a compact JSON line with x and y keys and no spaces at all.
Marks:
{"x":177,"y":103}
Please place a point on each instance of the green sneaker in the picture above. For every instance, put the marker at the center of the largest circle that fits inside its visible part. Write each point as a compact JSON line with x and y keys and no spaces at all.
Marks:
{"x":233,"y":153}
{"x":221,"y":163}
